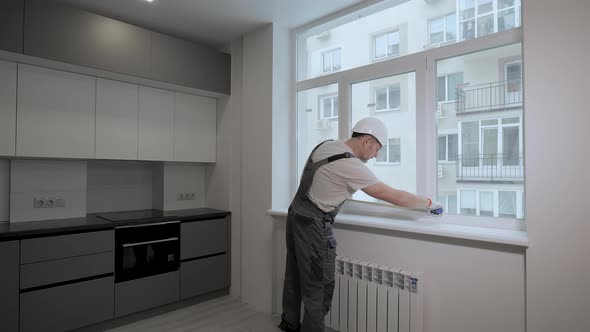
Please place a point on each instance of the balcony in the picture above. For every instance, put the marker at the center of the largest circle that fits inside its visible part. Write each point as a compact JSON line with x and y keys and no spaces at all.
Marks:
{"x":490,"y":167}
{"x":495,"y":96}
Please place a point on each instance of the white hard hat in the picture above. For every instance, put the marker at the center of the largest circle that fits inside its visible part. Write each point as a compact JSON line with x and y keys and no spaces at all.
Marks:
{"x":373,"y":127}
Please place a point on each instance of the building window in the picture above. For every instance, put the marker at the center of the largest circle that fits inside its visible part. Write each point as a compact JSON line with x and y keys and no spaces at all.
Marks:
{"x":482,"y":17}
{"x":448,"y":146}
{"x":387,"y":98}
{"x":447,"y":87}
{"x":386,"y":45}
{"x":442,"y":29}
{"x":328,"y":107}
{"x":391,"y":152}
{"x":331,"y":60}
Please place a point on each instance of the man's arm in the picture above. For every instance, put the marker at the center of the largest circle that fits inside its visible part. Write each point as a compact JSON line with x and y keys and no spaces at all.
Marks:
{"x":400,"y":198}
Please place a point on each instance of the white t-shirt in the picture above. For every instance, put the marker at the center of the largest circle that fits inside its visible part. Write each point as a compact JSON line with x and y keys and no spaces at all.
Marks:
{"x":339,"y":180}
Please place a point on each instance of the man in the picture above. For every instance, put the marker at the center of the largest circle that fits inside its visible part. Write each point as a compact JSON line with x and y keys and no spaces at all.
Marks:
{"x":334,"y":171}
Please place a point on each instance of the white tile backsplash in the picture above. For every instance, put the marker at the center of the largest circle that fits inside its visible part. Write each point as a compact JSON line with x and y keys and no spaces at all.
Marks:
{"x":119,"y":185}
{"x":47,"y":178}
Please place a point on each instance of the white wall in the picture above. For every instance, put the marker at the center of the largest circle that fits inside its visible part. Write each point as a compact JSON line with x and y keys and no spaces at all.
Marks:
{"x":4,"y":189}
{"x":183,"y":178}
{"x":224,"y":178}
{"x":47,"y":178}
{"x":119,"y":185}
{"x":556,"y":87}
{"x":257,"y":103}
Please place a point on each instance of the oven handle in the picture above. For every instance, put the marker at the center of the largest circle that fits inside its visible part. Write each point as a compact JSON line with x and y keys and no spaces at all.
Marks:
{"x":127,"y":245}
{"x":152,"y":224}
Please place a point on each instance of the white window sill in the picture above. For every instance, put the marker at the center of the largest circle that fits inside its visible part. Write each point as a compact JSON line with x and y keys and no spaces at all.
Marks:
{"x":431,"y":225}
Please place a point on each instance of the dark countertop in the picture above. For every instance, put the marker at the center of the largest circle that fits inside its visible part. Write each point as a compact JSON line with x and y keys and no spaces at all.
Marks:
{"x":27,"y":229}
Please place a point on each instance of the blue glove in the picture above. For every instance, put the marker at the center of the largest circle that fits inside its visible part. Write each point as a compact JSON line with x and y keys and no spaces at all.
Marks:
{"x":435,"y":208}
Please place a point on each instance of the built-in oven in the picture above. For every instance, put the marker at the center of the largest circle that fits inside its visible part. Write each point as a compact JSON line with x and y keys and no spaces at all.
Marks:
{"x":147,"y":249}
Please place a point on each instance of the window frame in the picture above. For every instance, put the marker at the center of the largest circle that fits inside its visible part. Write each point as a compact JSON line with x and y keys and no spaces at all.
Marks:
{"x":423,"y":64}
{"x":444,"y":18}
{"x":333,"y":97}
{"x":385,"y":33}
{"x":387,"y":162}
{"x":447,"y":160}
{"x":330,"y":51}
{"x":388,"y":108}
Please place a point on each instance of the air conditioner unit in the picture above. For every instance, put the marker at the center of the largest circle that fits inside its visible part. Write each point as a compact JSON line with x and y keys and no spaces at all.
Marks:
{"x":322,"y":124}
{"x":440,"y":171}
{"x":440,"y":111}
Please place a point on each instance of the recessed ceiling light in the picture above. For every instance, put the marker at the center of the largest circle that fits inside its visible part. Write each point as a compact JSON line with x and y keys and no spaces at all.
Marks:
{"x":149,"y":0}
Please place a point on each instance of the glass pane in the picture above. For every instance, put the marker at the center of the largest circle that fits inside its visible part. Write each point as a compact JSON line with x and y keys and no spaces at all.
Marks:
{"x":311,"y":129}
{"x":490,"y":146}
{"x":336,"y":61}
{"x":327,"y":61}
{"x":453,"y":147}
{"x":437,"y":30}
{"x":505,"y":4}
{"x":335,"y":106}
{"x":451,"y":26}
{"x":467,"y":8}
{"x":401,"y":127}
{"x":393,"y":43}
{"x":468,"y":202}
{"x":380,"y":46}
{"x":394,"y":97}
{"x":484,"y":6}
{"x":506,"y":20}
{"x":442,"y":148}
{"x":455,"y":83}
{"x":486,"y":203}
{"x":326,"y":107}
{"x":507,"y":204}
{"x":476,"y":126}
{"x":394,"y":150}
{"x":381,"y":156}
{"x":485,"y":25}
{"x":441,"y":84}
{"x":381,"y":98}
{"x":468,"y":29}
{"x":452,"y":206}
{"x":510,"y":144}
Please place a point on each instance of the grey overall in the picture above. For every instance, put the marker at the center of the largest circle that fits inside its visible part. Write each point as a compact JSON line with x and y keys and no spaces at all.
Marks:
{"x":311,"y":255}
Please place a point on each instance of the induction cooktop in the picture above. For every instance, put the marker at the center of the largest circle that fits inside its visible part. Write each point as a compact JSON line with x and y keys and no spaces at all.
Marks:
{"x":132,"y":215}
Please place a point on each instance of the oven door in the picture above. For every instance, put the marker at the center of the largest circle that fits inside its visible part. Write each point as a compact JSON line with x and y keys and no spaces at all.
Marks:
{"x":146,"y":250}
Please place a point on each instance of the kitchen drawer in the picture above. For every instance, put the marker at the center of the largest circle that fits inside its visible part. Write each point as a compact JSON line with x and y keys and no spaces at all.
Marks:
{"x":204,"y":237}
{"x":141,"y":294}
{"x":67,"y":307}
{"x":205,"y":275}
{"x":9,"y":286}
{"x":64,"y":246}
{"x":60,"y":270}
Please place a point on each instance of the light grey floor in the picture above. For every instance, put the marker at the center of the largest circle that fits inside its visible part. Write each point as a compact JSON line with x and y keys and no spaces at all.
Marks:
{"x":224,"y":314}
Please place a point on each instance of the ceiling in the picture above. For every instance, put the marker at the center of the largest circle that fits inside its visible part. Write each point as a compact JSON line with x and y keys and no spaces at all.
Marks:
{"x":213,"y":22}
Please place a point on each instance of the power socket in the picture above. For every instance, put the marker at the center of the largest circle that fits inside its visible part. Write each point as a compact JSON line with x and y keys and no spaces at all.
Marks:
{"x":190,"y":196}
{"x":48,"y":202}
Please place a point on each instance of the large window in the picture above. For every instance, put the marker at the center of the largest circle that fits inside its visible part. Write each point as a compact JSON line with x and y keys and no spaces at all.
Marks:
{"x":457,"y":110}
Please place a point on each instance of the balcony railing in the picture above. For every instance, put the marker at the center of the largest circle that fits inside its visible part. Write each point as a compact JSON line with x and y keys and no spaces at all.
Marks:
{"x":490,"y":167}
{"x":489,"y":97}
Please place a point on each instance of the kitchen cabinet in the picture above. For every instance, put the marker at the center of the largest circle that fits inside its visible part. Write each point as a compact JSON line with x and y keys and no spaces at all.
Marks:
{"x":7,"y":108}
{"x":156,"y":124}
{"x":117,"y":109}
{"x":149,"y":292}
{"x":195,"y":128}
{"x":11,"y":25}
{"x":56,"y":113}
{"x":66,"y":281}
{"x":204,"y":255}
{"x":9,"y":286}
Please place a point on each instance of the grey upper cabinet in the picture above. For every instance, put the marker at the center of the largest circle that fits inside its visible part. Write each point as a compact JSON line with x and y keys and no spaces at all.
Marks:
{"x":195,"y":128}
{"x":156,"y":124}
{"x":117,"y":107}
{"x":11,"y":25}
{"x":9,"y":281}
{"x":7,"y":108}
{"x":181,"y":62}
{"x":62,"y":33}
{"x":56,"y":113}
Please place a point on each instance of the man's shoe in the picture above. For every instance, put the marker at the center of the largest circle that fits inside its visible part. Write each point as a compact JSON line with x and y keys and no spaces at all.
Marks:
{"x":284,"y":326}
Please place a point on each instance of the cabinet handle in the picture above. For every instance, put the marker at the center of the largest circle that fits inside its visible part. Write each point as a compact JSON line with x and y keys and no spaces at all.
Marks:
{"x":126,"y":245}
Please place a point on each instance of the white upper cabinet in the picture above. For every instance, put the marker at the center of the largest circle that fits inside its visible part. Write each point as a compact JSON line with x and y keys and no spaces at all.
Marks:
{"x":7,"y":108}
{"x":156,"y":124}
{"x":195,"y":128}
{"x":56,"y":113}
{"x":117,"y":110}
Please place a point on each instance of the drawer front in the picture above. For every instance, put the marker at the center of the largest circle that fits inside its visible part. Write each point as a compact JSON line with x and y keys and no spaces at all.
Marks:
{"x":67,"y":307}
{"x":141,"y":294}
{"x":50,"y":272}
{"x":64,"y":246}
{"x":9,"y":286}
{"x":203,"y":275}
{"x":204,"y":237}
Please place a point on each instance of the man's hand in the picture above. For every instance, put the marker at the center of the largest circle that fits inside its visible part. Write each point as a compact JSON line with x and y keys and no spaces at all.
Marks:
{"x":435,"y":208}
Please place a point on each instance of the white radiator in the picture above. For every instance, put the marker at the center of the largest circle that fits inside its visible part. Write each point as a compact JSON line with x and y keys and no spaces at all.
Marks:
{"x":370,"y":297}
